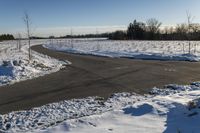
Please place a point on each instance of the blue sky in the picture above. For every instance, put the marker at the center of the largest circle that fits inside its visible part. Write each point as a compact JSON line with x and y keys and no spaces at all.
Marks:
{"x":56,"y":17}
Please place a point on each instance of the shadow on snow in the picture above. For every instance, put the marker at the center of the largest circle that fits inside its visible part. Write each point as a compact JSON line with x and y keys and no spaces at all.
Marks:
{"x":179,"y":118}
{"x":6,"y":71}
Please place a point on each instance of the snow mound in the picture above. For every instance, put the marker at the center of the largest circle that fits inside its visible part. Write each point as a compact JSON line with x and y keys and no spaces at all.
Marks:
{"x":15,"y":65}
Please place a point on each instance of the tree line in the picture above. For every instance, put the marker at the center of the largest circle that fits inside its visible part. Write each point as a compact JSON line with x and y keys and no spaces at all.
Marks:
{"x":100,"y":35}
{"x":137,"y":30}
{"x":151,"y":30}
{"x":6,"y":37}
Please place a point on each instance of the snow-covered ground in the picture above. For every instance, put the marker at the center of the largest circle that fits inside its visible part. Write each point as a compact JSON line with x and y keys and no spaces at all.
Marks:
{"x":157,"y":50}
{"x":173,"y":110}
{"x":15,"y":66}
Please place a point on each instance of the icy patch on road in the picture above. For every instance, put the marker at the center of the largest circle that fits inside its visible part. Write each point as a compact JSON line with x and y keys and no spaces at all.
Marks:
{"x":148,"y":50}
{"x":174,"y":109}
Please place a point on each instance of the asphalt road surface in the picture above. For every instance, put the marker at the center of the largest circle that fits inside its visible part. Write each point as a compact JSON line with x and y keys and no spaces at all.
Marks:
{"x":94,"y":76}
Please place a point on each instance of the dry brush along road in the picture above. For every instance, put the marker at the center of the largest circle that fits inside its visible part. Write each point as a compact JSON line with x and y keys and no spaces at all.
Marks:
{"x":94,"y":76}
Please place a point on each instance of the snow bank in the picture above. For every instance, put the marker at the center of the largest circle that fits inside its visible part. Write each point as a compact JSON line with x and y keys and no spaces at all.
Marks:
{"x":15,"y":66}
{"x":175,"y":109}
{"x":150,"y":50}
{"x":167,"y":111}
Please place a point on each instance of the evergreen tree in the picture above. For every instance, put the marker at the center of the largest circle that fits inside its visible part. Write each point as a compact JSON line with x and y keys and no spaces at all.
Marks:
{"x":136,"y":30}
{"x":6,"y":37}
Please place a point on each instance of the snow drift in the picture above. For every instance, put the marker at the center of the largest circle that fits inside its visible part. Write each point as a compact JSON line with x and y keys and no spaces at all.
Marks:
{"x":148,"y":50}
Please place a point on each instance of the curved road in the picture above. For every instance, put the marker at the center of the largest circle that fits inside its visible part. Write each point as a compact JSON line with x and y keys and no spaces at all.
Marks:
{"x":94,"y":76}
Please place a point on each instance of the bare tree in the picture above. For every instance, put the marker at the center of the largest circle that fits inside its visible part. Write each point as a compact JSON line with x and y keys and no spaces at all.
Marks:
{"x":71,"y":40}
{"x":181,"y":29}
{"x":189,"y":24}
{"x":153,"y":25}
{"x":19,"y":41}
{"x":97,"y":34}
{"x":195,"y":28}
{"x":27,"y":22}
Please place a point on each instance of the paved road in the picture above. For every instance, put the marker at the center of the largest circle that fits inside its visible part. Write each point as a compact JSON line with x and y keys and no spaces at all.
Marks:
{"x":91,"y":76}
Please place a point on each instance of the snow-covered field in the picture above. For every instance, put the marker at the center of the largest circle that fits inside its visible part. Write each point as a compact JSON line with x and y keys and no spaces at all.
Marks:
{"x":15,"y":66}
{"x":157,"y":50}
{"x":173,"y":110}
